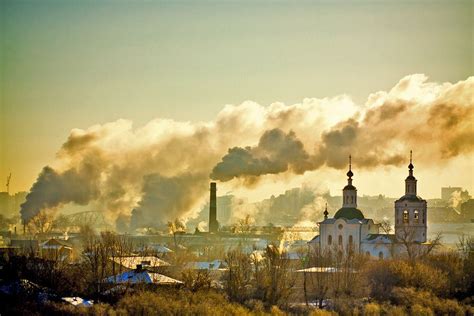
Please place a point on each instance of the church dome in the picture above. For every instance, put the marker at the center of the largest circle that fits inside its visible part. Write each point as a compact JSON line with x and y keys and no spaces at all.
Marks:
{"x":349,"y":213}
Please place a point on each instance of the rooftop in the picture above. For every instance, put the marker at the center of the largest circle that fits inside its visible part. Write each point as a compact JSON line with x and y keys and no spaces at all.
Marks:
{"x":349,"y":213}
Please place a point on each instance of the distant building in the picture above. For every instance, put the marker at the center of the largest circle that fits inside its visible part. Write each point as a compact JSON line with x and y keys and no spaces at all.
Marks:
{"x":454,"y":194}
{"x":349,"y":230}
{"x":132,"y":262}
{"x":56,"y":249}
{"x":140,"y":276}
{"x":10,"y":204}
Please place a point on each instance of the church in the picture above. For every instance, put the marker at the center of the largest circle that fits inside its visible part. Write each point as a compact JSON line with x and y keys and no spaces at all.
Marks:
{"x":349,"y":230}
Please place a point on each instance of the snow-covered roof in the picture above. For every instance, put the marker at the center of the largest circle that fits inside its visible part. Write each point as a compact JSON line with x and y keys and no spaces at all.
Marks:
{"x":78,"y":301}
{"x":204,"y":265}
{"x":379,"y":239}
{"x":131,"y":262}
{"x":315,"y":240}
{"x":156,"y":247}
{"x":54,"y":243}
{"x":324,"y":270}
{"x":349,"y":221}
{"x":319,"y":270}
{"x":146,"y":277}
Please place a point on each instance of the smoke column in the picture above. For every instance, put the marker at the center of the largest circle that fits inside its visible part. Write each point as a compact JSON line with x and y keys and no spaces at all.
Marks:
{"x":160,"y":171}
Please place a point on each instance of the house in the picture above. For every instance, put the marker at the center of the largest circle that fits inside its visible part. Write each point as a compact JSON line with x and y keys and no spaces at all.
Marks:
{"x":205,"y":265}
{"x":141,"y":276}
{"x":131,"y":262}
{"x":56,"y":249}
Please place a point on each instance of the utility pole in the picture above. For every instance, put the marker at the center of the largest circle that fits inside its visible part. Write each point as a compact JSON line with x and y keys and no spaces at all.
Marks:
{"x":8,"y":183}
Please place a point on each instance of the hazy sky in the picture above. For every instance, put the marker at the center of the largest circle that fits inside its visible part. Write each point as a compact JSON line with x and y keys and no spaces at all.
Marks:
{"x":73,"y":64}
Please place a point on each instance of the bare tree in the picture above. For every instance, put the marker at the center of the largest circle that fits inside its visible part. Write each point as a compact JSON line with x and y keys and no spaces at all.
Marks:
{"x":415,"y":249}
{"x":41,"y":223}
{"x":278,"y":279}
{"x":318,"y":280}
{"x":237,"y":279}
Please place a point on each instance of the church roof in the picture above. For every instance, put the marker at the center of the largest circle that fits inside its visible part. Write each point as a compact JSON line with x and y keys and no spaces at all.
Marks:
{"x":349,"y":213}
{"x":380,"y":238}
{"x":349,"y":187}
{"x":410,"y":198}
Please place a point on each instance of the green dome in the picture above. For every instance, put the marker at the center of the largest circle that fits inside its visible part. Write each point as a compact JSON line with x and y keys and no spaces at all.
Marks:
{"x":349,"y":213}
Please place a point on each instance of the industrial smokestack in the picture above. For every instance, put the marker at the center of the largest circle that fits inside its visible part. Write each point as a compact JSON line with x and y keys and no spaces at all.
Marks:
{"x":213,"y":224}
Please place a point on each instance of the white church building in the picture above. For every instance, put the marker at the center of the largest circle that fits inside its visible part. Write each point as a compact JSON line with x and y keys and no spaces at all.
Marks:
{"x":349,"y":230}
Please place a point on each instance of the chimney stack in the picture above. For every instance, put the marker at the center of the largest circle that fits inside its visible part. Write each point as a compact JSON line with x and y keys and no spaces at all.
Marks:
{"x":213,"y":224}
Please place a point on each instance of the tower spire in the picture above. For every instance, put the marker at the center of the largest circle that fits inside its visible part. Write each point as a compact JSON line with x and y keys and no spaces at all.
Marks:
{"x":349,"y":173}
{"x":410,"y":181}
{"x":326,"y":213}
{"x":410,"y":166}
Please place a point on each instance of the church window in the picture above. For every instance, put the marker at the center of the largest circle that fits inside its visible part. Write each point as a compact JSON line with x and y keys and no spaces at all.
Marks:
{"x":405,"y":216}
{"x":340,"y":240}
{"x":380,"y":255}
{"x":351,"y":240}
{"x":340,"y":226}
{"x":329,"y":240}
{"x":416,"y":216}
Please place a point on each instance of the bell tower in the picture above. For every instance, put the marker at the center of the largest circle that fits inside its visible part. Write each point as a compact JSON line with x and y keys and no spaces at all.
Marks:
{"x":349,"y":193}
{"x":410,"y":211}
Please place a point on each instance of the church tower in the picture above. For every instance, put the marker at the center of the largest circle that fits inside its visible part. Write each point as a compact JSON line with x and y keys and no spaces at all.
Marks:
{"x":349,"y":208}
{"x":349,"y":193}
{"x":410,"y":212}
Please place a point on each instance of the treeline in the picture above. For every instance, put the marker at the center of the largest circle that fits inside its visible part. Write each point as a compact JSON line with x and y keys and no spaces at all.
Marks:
{"x":259,"y":283}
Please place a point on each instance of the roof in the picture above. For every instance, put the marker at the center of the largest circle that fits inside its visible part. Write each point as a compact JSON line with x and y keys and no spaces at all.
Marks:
{"x":203,"y":265}
{"x":349,"y":187}
{"x":379,"y":239}
{"x":78,"y":301}
{"x":410,"y":198}
{"x":349,"y":213}
{"x":146,"y":277}
{"x":322,"y":270}
{"x":131,"y":262}
{"x":54,"y":243}
{"x":349,"y":221}
{"x":314,"y":240}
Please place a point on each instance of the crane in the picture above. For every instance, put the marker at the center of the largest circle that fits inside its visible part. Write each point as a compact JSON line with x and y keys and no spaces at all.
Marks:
{"x":8,"y":183}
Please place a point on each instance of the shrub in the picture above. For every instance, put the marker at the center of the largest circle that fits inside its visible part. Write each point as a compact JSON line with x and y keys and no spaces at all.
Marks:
{"x":372,"y":309}
{"x":410,"y":297}
{"x":418,"y":310}
{"x":391,"y":310}
{"x":322,"y":312}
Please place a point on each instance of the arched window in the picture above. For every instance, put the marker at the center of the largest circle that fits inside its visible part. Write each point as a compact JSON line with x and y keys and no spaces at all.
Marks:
{"x":380,"y":255}
{"x":405,"y":217}
{"x":416,"y":216}
{"x":329,"y":240}
{"x":340,"y":240}
{"x":351,"y":240}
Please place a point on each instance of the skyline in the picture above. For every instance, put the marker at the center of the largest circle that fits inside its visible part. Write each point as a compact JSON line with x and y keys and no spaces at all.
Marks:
{"x":70,"y":65}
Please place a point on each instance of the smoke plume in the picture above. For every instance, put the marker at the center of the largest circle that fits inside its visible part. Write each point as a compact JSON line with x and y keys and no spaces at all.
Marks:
{"x":158,"y":172}
{"x":276,"y":152}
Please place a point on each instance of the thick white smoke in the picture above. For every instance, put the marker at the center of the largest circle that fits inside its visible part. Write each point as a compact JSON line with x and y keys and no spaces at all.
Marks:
{"x":160,"y":171}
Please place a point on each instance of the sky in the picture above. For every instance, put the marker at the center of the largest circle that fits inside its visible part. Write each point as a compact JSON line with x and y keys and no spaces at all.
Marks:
{"x":73,"y":64}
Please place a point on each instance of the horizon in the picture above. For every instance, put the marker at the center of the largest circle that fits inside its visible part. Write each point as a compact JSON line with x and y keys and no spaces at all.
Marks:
{"x":113,"y":103}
